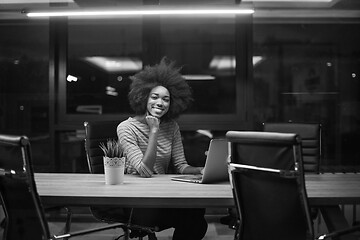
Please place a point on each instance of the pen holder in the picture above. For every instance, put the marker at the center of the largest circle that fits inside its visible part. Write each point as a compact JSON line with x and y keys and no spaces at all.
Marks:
{"x":114,"y":170}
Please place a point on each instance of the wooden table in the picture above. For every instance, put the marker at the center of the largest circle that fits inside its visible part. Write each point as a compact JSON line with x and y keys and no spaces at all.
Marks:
{"x":325,"y":191}
{"x":160,"y":191}
{"x":333,"y":189}
{"x":328,"y":191}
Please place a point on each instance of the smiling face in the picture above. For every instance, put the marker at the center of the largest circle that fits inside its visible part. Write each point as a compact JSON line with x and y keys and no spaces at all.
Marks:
{"x":158,"y":102}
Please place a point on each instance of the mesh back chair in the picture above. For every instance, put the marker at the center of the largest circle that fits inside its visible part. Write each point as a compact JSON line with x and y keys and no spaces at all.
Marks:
{"x":310,"y":134}
{"x":267,"y":178}
{"x":24,"y":213}
{"x":95,"y":133}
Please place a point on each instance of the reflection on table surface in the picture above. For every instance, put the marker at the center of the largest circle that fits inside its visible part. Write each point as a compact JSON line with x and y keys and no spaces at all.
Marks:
{"x":160,"y":191}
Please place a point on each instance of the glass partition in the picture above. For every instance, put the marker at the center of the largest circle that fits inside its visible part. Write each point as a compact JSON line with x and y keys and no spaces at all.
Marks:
{"x":310,"y":73}
{"x":103,"y":53}
{"x":101,"y":57}
{"x":205,"y":47}
{"x":24,"y":85}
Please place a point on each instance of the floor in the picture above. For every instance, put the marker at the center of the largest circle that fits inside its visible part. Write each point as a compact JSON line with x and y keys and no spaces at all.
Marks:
{"x":82,"y":219}
{"x":216,"y":231}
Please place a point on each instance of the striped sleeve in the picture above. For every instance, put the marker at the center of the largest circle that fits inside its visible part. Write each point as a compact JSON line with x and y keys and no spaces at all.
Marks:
{"x":178,"y":155}
{"x":132,"y":151}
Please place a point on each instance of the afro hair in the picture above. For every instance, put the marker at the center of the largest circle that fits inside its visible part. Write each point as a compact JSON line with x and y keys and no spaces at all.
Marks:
{"x":163,"y":74}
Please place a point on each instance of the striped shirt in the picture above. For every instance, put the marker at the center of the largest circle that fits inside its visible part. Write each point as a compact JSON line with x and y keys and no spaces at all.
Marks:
{"x":134,"y":138}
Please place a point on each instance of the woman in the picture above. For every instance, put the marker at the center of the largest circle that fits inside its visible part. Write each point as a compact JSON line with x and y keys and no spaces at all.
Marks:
{"x":152,"y":143}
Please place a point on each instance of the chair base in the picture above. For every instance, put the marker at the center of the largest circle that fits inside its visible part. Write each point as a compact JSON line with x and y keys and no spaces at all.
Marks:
{"x":230,"y":220}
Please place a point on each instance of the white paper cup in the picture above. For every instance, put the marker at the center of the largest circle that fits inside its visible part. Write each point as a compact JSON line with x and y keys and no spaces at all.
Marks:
{"x":114,"y":170}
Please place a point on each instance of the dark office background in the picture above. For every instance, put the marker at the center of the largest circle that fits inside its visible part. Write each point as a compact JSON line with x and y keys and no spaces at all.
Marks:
{"x":254,"y":70}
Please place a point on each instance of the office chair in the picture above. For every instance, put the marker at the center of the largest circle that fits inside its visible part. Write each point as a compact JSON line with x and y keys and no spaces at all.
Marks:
{"x":95,"y":133}
{"x":24,"y":213}
{"x":14,"y":156}
{"x":267,"y":179}
{"x":310,"y":134}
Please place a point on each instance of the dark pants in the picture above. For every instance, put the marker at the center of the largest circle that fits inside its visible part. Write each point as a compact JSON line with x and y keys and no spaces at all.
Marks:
{"x":189,"y":223}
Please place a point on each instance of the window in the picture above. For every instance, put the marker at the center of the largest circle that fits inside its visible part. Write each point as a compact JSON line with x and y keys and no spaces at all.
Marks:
{"x":309,"y":73}
{"x":205,"y":47}
{"x":102,"y":54}
{"x":101,"y":57}
{"x":24,"y":84}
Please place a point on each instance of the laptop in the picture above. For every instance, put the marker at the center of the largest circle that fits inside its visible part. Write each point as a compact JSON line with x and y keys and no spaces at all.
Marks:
{"x":215,"y":169}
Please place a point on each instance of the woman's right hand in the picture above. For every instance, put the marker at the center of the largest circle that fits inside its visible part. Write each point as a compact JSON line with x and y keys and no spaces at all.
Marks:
{"x":149,"y":157}
{"x":152,"y":122}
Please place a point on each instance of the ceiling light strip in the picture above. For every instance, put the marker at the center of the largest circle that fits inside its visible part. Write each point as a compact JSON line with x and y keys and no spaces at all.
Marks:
{"x":142,"y":12}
